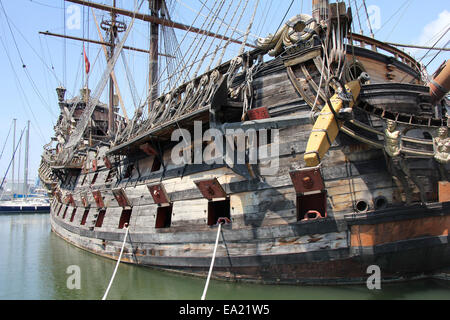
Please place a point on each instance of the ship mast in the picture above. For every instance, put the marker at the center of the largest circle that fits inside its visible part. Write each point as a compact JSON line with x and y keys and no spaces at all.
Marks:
{"x":111,"y":126}
{"x":111,"y":27}
{"x":320,"y":10}
{"x":155,"y":8}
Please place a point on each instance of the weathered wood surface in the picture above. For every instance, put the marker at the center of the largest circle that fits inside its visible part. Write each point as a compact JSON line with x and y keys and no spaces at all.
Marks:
{"x":265,"y":239}
{"x":272,"y":254}
{"x":352,"y":172}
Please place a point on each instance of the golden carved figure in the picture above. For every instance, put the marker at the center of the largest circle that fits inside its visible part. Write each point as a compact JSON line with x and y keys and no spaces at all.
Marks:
{"x":392,"y":139}
{"x":441,"y":146}
{"x":397,"y":164}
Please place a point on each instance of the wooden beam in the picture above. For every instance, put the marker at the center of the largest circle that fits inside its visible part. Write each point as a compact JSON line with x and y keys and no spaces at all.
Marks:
{"x":152,"y":19}
{"x":98,"y":42}
{"x":417,"y":47}
{"x":383,"y":46}
{"x":112,"y":40}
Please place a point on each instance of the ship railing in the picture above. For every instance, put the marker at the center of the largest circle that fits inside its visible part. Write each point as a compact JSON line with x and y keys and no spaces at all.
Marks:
{"x":75,"y":162}
{"x":376,"y":45}
{"x":409,"y":146}
{"x":48,"y":158}
{"x":184,"y":100}
{"x":45,"y":171}
{"x":188,"y":99}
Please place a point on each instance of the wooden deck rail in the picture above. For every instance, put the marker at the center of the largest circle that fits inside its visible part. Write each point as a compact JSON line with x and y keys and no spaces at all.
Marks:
{"x":376,"y":45}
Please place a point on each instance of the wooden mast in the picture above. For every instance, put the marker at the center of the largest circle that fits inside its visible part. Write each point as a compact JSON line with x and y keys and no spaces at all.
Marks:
{"x":112,"y":38}
{"x":155,"y":8}
{"x":113,"y":75}
{"x":320,"y":10}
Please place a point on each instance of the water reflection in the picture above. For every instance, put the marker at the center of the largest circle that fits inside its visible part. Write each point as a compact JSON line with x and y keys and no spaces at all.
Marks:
{"x":34,"y":263}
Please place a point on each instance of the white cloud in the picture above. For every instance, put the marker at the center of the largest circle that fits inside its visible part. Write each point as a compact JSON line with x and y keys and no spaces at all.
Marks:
{"x":432,"y":31}
{"x":428,"y":37}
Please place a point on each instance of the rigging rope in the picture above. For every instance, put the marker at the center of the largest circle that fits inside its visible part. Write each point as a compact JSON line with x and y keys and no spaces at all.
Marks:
{"x":83,"y":121}
{"x":45,"y":75}
{"x":64,"y":46}
{"x":219,"y":62}
{"x":20,"y":88}
{"x":6,"y":140}
{"x":189,"y":64}
{"x":117,"y":264}
{"x":173,"y":57}
{"x":392,"y":16}
{"x":368,"y":19}
{"x":212,"y":41}
{"x":284,"y":18}
{"x":33,"y":84}
{"x":130,"y":79}
{"x":435,"y":44}
{"x":244,"y":42}
{"x":429,"y":50}
{"x":213,"y":57}
{"x":359,"y":18}
{"x":398,"y":21}
{"x":261,"y":22}
{"x":199,"y":46}
{"x":52,"y":69}
{"x":222,"y":22}
{"x":149,"y":98}
{"x":426,"y":66}
{"x":212,"y":263}
{"x":14,"y":38}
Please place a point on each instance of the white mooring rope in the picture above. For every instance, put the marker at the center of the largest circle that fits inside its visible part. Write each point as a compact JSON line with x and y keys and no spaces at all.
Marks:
{"x":117,"y":265}
{"x":212,"y":263}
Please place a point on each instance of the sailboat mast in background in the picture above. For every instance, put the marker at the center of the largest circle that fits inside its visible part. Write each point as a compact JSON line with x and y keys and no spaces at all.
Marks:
{"x":13,"y":160}
{"x":25,"y":172}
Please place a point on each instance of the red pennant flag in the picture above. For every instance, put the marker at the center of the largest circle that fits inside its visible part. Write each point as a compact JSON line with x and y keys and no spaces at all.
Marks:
{"x":86,"y":61}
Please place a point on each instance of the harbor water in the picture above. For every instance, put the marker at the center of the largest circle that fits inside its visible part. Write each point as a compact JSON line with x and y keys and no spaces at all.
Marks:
{"x":36,"y":264}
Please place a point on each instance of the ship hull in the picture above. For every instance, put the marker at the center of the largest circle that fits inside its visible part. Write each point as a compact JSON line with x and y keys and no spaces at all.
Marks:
{"x":404,"y":244}
{"x":288,"y":223}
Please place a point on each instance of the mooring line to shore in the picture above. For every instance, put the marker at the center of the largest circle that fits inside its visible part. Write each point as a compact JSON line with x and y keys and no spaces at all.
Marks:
{"x":212,"y":263}
{"x":117,"y":264}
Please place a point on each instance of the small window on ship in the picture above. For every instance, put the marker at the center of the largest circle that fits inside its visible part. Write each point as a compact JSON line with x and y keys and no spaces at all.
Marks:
{"x":156,"y":166}
{"x":218,"y":209}
{"x":125,"y":218}
{"x":163,"y":217}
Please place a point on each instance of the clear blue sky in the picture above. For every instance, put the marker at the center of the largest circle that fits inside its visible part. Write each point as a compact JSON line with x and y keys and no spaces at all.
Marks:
{"x":29,"y":93}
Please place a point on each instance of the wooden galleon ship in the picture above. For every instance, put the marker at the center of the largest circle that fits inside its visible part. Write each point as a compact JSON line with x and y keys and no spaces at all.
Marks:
{"x":319,"y":151}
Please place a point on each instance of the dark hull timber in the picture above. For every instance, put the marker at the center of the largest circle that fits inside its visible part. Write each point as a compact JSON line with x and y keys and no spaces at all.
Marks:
{"x":334,"y":252}
{"x":379,"y":195}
